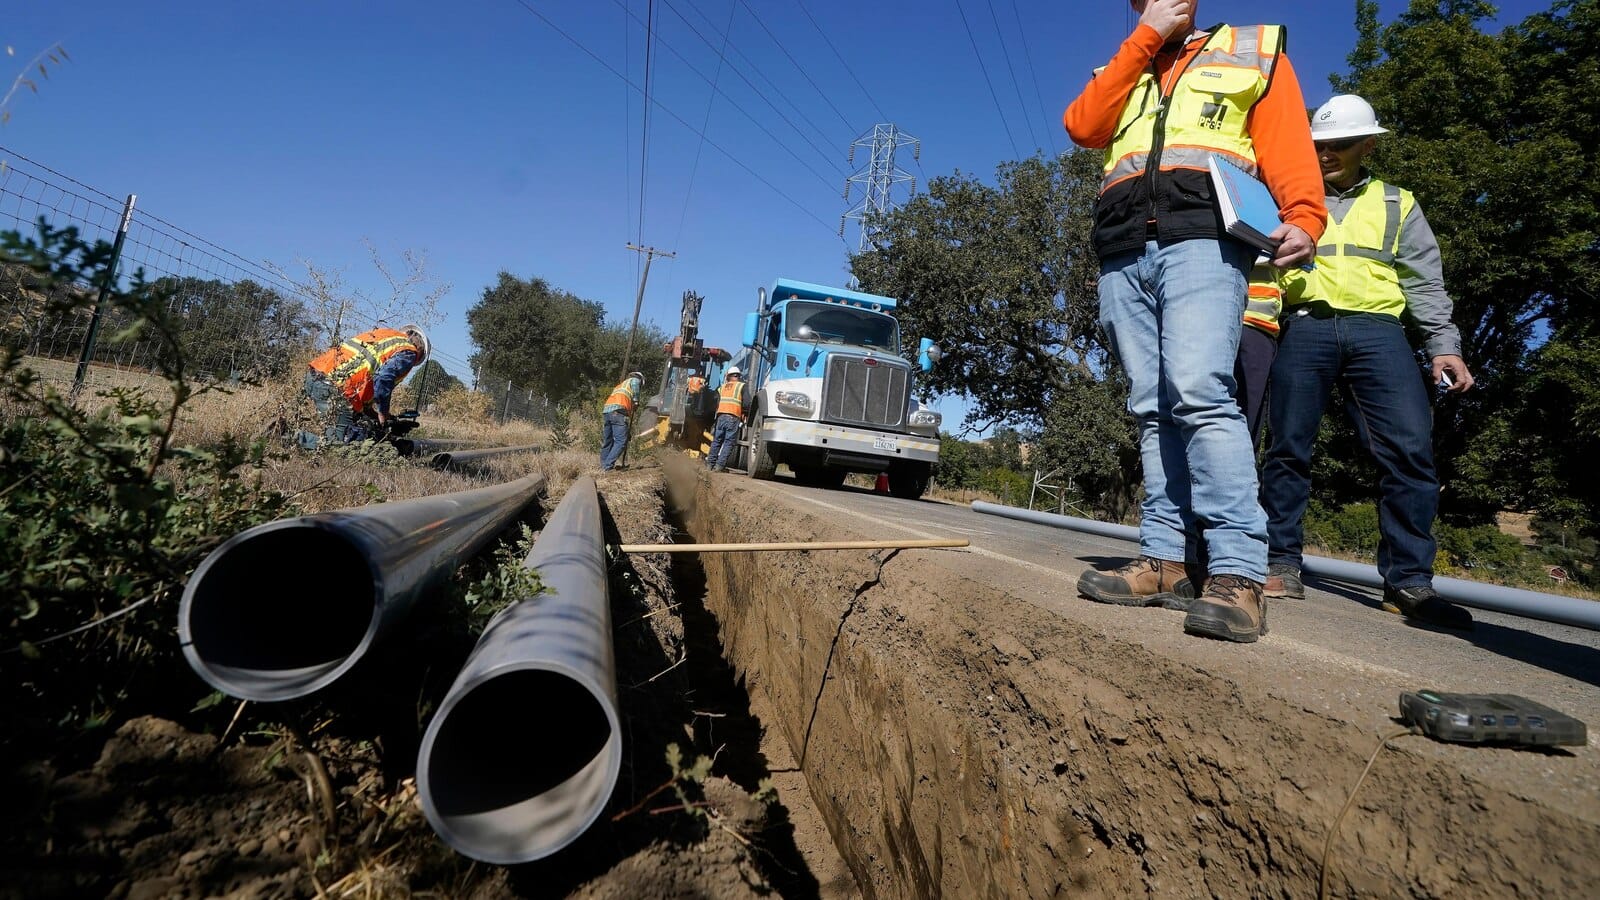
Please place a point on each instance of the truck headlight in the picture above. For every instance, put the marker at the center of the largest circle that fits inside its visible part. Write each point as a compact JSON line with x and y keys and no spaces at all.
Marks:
{"x":793,"y":401}
{"x":926,"y":418}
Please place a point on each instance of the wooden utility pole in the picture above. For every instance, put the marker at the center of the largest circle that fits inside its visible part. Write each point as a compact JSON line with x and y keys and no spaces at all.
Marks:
{"x":650,"y":253}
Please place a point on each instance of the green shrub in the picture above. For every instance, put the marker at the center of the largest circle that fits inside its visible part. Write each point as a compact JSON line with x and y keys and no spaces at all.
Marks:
{"x":1353,"y":528}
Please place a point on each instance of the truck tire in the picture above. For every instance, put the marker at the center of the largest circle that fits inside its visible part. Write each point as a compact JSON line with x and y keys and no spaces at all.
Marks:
{"x":758,"y":461}
{"x":909,"y":480}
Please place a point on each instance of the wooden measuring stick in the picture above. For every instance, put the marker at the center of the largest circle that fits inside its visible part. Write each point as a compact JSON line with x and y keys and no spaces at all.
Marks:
{"x":794,"y":545}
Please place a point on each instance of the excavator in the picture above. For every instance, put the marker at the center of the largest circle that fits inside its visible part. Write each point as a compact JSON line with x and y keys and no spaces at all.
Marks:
{"x":686,"y":406}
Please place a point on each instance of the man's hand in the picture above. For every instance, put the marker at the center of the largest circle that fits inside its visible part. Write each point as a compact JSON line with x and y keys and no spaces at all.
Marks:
{"x":1460,"y":377}
{"x":1170,"y":18}
{"x":383,"y":420}
{"x":1295,"y":247}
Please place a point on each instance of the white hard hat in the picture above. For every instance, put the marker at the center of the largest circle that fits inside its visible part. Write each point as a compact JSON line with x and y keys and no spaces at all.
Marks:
{"x":1345,"y":116}
{"x":418,"y":337}
{"x":732,"y":371}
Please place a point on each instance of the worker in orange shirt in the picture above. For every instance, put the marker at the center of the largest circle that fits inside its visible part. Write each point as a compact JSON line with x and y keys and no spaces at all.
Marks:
{"x":359,"y":376}
{"x":1173,"y":291}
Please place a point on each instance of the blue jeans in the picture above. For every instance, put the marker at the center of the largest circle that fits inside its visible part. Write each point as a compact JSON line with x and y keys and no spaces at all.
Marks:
{"x":335,"y":408}
{"x":613,"y":439}
{"x":724,"y":437}
{"x":1369,"y":358}
{"x":1173,"y":314}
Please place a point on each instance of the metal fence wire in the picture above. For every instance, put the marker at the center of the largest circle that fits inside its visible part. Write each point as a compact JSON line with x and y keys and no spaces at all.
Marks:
{"x":236,"y":319}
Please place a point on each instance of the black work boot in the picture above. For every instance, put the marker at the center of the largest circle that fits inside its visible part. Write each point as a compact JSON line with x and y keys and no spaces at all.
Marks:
{"x":1423,"y":604}
{"x":1144,"y":582}
{"x":1283,"y":580}
{"x":1231,"y":609}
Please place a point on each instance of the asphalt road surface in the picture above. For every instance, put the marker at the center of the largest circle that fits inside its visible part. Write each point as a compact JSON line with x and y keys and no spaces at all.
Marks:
{"x":1335,"y":653}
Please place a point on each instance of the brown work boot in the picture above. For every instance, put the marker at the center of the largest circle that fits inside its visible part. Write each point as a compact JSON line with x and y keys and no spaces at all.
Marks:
{"x":1231,"y":609}
{"x":1144,"y":582}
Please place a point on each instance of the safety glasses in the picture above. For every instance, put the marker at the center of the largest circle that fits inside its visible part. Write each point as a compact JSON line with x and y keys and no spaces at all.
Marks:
{"x":1338,"y":146}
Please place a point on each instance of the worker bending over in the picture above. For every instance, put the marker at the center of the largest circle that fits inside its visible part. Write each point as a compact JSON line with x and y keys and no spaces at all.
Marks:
{"x":618,"y":415}
{"x":358,"y":378}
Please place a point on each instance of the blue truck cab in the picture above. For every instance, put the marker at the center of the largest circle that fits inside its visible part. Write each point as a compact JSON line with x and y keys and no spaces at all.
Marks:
{"x":832,"y":390}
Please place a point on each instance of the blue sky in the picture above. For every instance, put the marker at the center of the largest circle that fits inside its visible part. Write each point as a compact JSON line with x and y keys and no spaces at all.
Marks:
{"x":476,"y":132}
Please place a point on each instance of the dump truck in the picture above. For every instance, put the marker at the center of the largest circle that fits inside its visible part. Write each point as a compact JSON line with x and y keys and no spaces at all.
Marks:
{"x":832,"y":390}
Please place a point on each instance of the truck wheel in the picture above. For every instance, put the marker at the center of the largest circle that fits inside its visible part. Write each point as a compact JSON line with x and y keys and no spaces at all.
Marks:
{"x":758,"y":461}
{"x":909,"y":480}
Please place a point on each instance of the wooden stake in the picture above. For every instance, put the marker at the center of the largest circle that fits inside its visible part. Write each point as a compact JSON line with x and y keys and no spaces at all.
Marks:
{"x":793,"y":545}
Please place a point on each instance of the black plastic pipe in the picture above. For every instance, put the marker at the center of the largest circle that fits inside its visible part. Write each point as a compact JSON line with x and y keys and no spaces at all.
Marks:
{"x":286,"y":608}
{"x":467,"y":460}
{"x":523,"y":754}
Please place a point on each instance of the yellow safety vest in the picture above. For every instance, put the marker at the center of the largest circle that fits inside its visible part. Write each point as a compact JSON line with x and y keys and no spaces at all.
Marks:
{"x":1355,"y":268}
{"x":1206,"y":112}
{"x":1265,"y":301}
{"x":623,"y":396}
{"x":353,"y":365}
{"x":731,"y":399}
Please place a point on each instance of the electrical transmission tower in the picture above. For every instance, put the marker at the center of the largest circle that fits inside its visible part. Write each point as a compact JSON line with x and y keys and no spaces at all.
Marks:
{"x":879,"y":176}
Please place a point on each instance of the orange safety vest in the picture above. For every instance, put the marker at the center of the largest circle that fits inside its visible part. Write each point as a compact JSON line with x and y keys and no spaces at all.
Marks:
{"x":622,"y":397}
{"x":732,"y":399}
{"x":696,"y":384}
{"x":353,"y":365}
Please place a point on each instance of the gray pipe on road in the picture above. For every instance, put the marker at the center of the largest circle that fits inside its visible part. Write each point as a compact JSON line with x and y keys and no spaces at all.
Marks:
{"x":466,"y":460}
{"x":525,"y":750}
{"x":286,"y":608}
{"x":1477,"y":594}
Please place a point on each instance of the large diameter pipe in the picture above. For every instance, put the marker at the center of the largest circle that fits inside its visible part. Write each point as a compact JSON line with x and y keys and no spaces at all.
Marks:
{"x":286,"y":608}
{"x":461,"y":460}
{"x":523,"y":754}
{"x":1476,"y":594}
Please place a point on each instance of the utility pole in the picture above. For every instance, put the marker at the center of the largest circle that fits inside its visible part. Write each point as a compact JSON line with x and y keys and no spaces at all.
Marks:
{"x":650,"y":253}
{"x":878,"y":177}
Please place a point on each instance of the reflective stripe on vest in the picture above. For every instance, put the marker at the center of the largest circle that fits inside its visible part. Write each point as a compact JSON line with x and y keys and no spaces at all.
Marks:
{"x":731,"y":399}
{"x":1264,"y":302}
{"x":353,"y":365}
{"x":1207,"y":110}
{"x":622,"y":397}
{"x":1355,"y":268}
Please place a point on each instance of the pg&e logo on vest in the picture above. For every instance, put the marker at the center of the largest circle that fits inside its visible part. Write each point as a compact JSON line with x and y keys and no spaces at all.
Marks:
{"x":1212,"y":114}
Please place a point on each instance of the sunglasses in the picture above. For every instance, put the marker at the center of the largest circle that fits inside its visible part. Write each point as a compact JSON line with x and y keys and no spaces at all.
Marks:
{"x":1337,"y":146}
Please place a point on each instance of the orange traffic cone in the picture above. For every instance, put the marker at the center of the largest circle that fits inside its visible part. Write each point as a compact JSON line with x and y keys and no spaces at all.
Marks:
{"x":882,"y":485}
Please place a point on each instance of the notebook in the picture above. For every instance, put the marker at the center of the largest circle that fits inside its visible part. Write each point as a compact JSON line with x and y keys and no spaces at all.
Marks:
{"x":1249,"y":212}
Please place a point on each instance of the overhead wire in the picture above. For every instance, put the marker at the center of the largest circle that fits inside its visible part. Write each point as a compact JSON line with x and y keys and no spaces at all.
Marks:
{"x":882,"y":116}
{"x":627,"y":136}
{"x":1016,"y":85}
{"x":985,"y":69}
{"x":760,"y":73}
{"x":798,"y":66}
{"x":1044,"y":115}
{"x":705,"y":124}
{"x":644,"y":135}
{"x":677,"y":118}
{"x":746,"y":113}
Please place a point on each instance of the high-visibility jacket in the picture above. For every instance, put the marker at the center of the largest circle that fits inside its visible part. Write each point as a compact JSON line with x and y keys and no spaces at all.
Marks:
{"x":696,"y":384}
{"x":1175,"y":126}
{"x":1264,"y":304}
{"x":623,"y":397}
{"x":1355,"y":268}
{"x":730,"y":399}
{"x":353,"y":365}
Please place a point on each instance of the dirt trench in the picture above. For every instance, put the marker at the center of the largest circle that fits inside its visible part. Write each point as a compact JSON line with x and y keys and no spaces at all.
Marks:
{"x":962,"y":743}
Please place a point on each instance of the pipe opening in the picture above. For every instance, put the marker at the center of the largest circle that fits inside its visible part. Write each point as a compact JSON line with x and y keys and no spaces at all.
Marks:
{"x":280,"y":609}
{"x":517,"y":737}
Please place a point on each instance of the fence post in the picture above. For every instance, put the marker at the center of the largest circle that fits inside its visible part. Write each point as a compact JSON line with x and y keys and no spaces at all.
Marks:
{"x":505,"y":414}
{"x":107,"y":282}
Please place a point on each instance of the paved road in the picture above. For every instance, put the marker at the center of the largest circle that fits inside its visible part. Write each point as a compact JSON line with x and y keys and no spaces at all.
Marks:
{"x":1336,"y":653}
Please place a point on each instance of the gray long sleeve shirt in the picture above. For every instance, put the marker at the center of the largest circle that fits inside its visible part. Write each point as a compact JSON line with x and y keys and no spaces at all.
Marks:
{"x":1421,"y":271}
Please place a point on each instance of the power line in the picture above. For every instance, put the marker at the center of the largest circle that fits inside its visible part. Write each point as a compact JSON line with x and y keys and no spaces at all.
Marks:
{"x":779,"y":141}
{"x":985,"y":69}
{"x":761,"y":74}
{"x":677,"y":118}
{"x":797,"y":65}
{"x":1044,"y":116}
{"x":882,"y":116}
{"x":627,"y":133}
{"x":1015,"y":84}
{"x":644,"y":134}
{"x":705,"y":124}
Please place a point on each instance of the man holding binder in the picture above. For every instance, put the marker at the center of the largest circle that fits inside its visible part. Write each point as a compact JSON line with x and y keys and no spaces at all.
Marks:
{"x":1173,"y":291}
{"x":1377,"y":266}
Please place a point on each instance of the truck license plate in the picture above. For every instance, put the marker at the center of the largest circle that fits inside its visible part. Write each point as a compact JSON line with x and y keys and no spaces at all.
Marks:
{"x":884,"y":443}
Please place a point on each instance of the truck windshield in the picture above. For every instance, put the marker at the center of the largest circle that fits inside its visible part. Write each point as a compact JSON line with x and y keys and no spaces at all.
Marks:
{"x":842,"y":325}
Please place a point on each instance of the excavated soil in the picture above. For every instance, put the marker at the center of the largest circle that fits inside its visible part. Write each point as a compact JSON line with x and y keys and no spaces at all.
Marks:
{"x":960,"y":742}
{"x":317,"y":798}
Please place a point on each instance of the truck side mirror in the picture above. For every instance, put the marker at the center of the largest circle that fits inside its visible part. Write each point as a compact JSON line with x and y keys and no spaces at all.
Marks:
{"x":752,"y":328}
{"x":928,"y":353}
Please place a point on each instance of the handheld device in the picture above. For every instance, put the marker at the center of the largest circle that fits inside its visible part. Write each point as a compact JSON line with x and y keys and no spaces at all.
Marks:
{"x":1490,"y":719}
{"x":1445,"y":381}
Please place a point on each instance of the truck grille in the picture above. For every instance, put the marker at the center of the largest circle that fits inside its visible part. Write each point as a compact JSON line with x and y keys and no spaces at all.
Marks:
{"x":854,"y":393}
